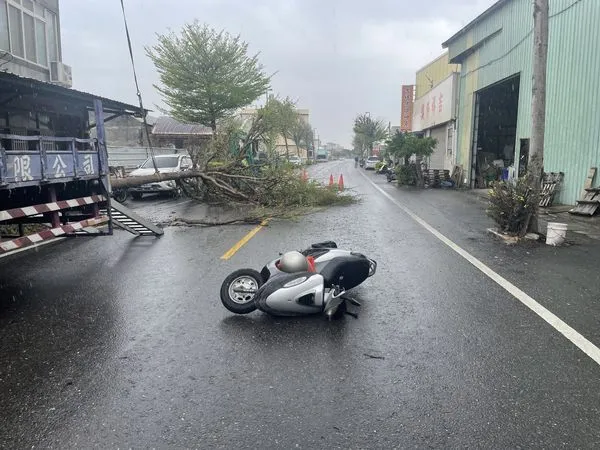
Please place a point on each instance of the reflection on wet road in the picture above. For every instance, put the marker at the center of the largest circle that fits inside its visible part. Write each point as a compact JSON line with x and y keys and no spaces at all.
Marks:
{"x":117,"y":341}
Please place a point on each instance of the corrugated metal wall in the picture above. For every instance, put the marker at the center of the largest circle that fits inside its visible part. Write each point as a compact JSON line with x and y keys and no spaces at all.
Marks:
{"x":572,"y":141}
{"x":572,"y":119}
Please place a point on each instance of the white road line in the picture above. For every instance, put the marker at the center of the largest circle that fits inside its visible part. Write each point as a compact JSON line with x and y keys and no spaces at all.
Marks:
{"x":567,"y":331}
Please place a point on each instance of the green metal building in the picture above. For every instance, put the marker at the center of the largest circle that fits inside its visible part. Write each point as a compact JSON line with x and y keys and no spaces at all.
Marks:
{"x":494,"y":109}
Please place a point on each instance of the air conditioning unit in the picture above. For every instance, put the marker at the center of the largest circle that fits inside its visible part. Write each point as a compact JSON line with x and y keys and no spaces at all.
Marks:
{"x":61,"y":74}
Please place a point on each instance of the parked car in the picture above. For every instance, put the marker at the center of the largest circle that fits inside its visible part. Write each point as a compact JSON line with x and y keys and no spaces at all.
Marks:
{"x":371,"y":162}
{"x":295,"y":160}
{"x":164,"y":164}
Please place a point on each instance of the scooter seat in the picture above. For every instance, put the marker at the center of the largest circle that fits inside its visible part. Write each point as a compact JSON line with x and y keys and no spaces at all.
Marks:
{"x":325,"y":244}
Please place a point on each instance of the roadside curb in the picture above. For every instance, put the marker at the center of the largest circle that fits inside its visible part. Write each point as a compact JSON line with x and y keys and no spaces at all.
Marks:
{"x":508,"y":240}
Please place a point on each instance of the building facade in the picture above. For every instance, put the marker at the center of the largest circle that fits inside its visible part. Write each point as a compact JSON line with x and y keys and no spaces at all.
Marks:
{"x":434,"y":111}
{"x":168,"y":132}
{"x":495,"y":51}
{"x":433,"y":73}
{"x":30,"y":43}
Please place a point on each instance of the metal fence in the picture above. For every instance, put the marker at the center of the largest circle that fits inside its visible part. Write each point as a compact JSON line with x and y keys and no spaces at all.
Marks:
{"x":132,"y":157}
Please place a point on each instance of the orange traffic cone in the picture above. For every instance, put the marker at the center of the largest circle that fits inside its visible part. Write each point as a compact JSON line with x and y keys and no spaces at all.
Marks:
{"x":341,"y":183}
{"x":331,"y":180}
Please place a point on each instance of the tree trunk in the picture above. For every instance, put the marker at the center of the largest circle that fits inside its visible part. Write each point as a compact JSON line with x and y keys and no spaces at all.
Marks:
{"x":287,"y":149}
{"x":119,"y":183}
{"x":538,"y":104}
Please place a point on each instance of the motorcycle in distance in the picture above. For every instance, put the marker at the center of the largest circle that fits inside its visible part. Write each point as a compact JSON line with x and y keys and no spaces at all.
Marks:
{"x":321,"y":289}
{"x":388,"y":170}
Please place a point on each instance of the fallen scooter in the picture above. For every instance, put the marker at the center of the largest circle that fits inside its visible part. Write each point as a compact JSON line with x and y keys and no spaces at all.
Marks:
{"x":321,"y":289}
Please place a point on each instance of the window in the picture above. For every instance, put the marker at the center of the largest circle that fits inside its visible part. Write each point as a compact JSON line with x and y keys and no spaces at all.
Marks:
{"x":51,"y":34}
{"x":162,"y":162}
{"x":4,"y":39}
{"x":40,"y":42}
{"x":28,"y":31}
{"x":30,"y":46}
{"x":15,"y":27}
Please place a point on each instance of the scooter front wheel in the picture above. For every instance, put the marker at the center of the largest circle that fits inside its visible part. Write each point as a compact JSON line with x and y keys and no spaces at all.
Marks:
{"x":238,"y":290}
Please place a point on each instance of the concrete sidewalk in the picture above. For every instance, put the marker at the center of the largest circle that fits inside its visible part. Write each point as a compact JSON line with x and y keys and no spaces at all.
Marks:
{"x":584,"y":225}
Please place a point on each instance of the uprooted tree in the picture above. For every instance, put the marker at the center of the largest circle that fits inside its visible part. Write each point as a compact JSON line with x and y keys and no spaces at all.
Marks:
{"x":226,"y":171}
{"x":206,"y":77}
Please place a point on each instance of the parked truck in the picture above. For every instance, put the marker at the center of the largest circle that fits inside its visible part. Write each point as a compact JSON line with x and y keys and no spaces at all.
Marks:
{"x":54,"y":177}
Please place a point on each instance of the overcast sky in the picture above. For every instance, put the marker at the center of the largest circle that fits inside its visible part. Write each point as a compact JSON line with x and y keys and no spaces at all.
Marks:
{"x":335,"y":57}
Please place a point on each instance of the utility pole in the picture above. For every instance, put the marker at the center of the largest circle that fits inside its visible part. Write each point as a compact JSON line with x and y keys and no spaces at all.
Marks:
{"x":538,"y":103}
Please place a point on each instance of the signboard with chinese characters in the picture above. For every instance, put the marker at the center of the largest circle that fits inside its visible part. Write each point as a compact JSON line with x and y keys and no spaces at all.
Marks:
{"x":407,"y":107}
{"x":27,"y":167}
{"x":436,"y":106}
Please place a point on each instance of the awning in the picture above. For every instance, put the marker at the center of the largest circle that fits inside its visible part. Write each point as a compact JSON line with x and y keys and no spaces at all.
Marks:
{"x":17,"y":89}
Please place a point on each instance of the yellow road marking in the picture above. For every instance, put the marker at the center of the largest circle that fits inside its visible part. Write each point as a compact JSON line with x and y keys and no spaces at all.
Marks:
{"x":243,"y":241}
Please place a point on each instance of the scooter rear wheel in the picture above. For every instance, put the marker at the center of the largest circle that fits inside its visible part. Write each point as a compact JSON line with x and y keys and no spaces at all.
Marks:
{"x":238,"y":290}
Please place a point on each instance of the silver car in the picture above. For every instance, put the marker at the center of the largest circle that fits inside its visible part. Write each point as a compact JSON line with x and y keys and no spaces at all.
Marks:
{"x":295,"y":160}
{"x":371,"y":162}
{"x":164,"y":164}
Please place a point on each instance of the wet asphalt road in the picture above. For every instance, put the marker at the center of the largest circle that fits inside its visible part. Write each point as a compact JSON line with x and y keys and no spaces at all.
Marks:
{"x":122,"y":342}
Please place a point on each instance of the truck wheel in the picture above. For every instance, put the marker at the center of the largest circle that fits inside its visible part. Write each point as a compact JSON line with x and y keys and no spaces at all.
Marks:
{"x":238,"y":290}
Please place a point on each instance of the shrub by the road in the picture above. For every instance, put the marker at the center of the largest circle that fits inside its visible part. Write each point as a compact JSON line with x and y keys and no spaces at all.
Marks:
{"x":406,"y":174}
{"x":510,"y":205}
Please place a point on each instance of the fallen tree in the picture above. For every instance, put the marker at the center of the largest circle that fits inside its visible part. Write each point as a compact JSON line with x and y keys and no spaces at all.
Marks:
{"x":206,"y":177}
{"x":270,"y":187}
{"x":224,"y":171}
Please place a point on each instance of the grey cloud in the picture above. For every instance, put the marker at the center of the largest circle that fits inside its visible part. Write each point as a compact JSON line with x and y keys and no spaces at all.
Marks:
{"x":336,"y":57}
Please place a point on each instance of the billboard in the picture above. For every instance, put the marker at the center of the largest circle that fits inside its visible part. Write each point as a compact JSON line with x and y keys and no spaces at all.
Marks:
{"x":407,"y":107}
{"x":436,"y":106}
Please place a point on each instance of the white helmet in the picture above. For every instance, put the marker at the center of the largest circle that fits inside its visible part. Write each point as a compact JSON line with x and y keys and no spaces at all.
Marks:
{"x":292,"y":262}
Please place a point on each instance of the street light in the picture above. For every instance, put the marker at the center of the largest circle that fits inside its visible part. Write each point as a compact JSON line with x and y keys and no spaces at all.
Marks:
{"x":315,"y":147}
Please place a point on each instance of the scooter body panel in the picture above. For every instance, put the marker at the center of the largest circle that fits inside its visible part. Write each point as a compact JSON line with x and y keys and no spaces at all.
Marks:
{"x":292,"y":294}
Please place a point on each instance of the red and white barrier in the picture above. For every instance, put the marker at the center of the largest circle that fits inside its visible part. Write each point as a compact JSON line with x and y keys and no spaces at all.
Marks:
{"x":8,"y":246}
{"x":49,"y":207}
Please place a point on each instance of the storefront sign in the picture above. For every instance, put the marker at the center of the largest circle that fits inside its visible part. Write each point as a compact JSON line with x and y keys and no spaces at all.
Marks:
{"x":437,"y":106}
{"x":407,"y":107}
